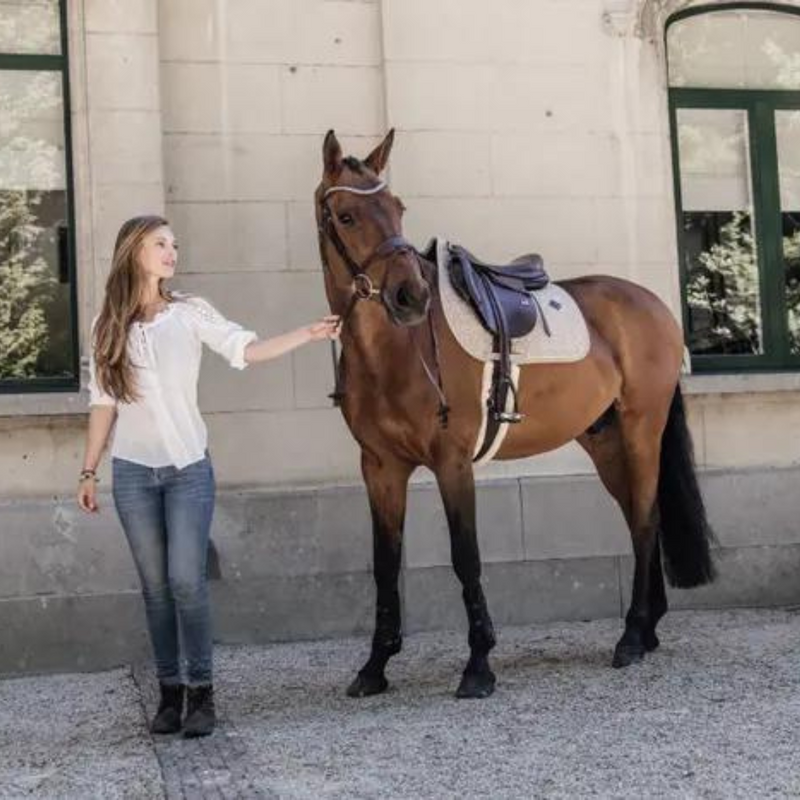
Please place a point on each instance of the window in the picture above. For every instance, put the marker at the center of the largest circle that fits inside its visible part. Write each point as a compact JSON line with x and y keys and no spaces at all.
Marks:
{"x":734,"y":76}
{"x":38,"y":335}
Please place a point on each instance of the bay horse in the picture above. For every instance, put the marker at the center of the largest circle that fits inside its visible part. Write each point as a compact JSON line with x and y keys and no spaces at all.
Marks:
{"x":628,"y":382}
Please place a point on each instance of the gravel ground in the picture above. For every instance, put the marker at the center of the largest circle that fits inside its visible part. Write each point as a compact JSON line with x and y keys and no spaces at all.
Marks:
{"x":714,"y":713}
{"x":75,"y":736}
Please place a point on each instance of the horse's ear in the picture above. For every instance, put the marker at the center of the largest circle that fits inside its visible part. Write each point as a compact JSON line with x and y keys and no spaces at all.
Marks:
{"x":332,"y":155}
{"x":379,"y":157}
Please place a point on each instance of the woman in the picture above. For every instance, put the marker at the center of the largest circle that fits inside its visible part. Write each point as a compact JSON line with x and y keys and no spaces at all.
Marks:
{"x":146,"y":350}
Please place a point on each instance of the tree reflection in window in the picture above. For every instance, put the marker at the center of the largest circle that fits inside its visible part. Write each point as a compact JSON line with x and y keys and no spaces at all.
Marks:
{"x":722,"y":285}
{"x":791,"y":259}
{"x":27,"y":287}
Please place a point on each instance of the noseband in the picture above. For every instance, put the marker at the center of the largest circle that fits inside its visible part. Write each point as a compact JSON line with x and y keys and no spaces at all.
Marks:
{"x":364,"y":288}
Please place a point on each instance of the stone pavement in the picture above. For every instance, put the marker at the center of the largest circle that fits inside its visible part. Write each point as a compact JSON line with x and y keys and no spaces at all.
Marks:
{"x":715,"y":713}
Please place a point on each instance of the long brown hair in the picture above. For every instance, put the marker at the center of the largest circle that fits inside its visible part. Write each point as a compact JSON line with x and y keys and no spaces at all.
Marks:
{"x":121,"y":307}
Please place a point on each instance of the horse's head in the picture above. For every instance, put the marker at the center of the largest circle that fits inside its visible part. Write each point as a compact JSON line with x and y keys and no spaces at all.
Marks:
{"x":359,"y":217}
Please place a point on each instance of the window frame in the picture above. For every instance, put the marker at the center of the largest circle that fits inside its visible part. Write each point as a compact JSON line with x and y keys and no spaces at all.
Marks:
{"x":760,"y":106}
{"x":35,"y":62}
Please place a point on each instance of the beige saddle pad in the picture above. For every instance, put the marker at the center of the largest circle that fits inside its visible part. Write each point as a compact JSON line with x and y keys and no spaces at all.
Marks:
{"x":569,"y":335}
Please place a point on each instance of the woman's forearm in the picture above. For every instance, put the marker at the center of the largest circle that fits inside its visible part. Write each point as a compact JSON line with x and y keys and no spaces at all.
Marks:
{"x":101,"y":420}
{"x":266,"y":349}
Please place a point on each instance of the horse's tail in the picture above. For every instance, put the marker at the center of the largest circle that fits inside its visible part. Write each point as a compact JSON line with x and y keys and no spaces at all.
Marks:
{"x":685,"y":533}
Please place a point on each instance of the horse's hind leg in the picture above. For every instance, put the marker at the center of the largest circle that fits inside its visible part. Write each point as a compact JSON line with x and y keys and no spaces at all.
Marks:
{"x":387,"y":486}
{"x":457,"y":486}
{"x":658,"y":599}
{"x":626,"y":454}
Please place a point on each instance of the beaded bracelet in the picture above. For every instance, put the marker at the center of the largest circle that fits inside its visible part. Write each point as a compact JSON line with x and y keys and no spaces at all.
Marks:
{"x":88,"y":473}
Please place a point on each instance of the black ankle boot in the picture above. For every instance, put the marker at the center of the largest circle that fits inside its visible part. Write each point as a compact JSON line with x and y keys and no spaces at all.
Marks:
{"x":168,"y":716}
{"x":200,"y":714}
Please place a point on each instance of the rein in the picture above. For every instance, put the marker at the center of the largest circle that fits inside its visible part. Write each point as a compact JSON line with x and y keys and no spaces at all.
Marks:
{"x":364,"y":289}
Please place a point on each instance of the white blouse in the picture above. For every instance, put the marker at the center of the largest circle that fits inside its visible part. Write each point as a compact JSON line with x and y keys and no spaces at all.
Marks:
{"x":164,"y":427}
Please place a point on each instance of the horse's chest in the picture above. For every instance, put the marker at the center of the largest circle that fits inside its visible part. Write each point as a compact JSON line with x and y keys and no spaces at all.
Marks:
{"x":378,"y":422}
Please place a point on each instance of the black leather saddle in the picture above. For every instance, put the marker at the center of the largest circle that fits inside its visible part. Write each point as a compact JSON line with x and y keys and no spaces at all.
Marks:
{"x":500,"y":295}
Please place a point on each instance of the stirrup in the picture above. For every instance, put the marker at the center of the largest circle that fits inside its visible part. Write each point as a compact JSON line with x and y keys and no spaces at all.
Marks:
{"x":511,"y":417}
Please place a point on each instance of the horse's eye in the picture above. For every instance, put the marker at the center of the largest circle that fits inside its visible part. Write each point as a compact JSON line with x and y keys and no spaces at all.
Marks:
{"x":346,"y":220}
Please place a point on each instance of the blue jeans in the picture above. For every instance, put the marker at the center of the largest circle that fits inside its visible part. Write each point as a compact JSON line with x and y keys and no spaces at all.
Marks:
{"x":166,"y":515}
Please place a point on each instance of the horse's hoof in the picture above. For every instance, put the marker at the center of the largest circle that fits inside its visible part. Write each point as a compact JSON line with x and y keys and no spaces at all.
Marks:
{"x":627,"y":654}
{"x":651,"y":641}
{"x":476,"y":685}
{"x":366,"y":685}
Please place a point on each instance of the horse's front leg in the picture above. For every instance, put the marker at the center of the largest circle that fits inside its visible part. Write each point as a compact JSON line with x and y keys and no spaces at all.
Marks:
{"x":457,"y":485}
{"x":387,"y":487}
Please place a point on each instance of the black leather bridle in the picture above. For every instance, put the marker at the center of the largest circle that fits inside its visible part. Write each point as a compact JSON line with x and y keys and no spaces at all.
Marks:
{"x":364,"y":288}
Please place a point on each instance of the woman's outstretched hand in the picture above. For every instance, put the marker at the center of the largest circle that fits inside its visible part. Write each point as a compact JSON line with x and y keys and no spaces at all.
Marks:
{"x":87,"y":495}
{"x":327,"y":328}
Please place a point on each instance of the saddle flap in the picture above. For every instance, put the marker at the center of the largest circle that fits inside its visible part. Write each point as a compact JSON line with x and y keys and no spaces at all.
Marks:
{"x":519,"y":310}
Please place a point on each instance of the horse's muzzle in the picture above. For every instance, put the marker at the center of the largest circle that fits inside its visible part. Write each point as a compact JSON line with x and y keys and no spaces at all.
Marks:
{"x":407,"y":305}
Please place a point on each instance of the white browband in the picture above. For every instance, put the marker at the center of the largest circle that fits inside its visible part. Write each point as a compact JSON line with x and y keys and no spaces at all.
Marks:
{"x":353,"y":190}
